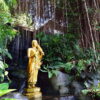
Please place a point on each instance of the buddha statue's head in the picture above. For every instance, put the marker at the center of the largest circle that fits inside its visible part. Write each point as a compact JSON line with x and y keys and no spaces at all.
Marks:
{"x":34,"y":43}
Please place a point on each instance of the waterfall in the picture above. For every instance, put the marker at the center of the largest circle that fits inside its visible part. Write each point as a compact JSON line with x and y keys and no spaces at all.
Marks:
{"x":21,"y":90}
{"x":49,"y":17}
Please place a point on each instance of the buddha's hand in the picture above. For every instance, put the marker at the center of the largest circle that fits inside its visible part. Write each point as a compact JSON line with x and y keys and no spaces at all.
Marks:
{"x":42,"y":53}
{"x":38,"y":67}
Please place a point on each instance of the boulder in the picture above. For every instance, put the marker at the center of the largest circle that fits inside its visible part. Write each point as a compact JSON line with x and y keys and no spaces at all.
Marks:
{"x":62,"y":79}
{"x":77,"y":87}
{"x":61,"y":82}
{"x":63,"y":91}
{"x":67,"y":98}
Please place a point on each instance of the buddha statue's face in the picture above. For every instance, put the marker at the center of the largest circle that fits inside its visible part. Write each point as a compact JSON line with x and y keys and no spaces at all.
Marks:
{"x":34,"y":43}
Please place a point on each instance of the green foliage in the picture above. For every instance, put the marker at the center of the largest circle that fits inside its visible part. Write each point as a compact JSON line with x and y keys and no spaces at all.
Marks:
{"x":68,"y":66}
{"x":57,"y":47}
{"x":4,"y":86}
{"x":4,"y":89}
{"x":3,"y":6}
{"x":52,"y":70}
{"x":8,"y":99}
{"x":3,"y":65}
{"x":24,"y":20}
{"x":97,"y":27}
{"x":3,"y":92}
{"x":94,"y":91}
{"x":7,"y":33}
{"x":63,"y":52}
{"x":11,"y":3}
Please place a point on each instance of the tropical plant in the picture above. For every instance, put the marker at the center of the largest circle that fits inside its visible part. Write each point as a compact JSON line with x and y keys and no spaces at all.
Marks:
{"x":4,"y":90}
{"x":7,"y":33}
{"x":63,"y":52}
{"x":93,"y":91}
{"x":8,"y":99}
{"x":57,"y":47}
{"x":11,"y":3}
{"x":23,"y":20}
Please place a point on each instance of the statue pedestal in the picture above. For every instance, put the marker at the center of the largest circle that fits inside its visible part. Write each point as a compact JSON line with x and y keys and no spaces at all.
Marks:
{"x":33,"y":93}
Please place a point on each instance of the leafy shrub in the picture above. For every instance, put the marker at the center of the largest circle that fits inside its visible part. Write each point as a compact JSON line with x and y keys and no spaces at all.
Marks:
{"x":62,"y":51}
{"x":7,"y":33}
{"x":23,"y":20}
{"x":4,"y":89}
{"x":57,"y":47}
{"x":94,"y":91}
{"x":8,"y":99}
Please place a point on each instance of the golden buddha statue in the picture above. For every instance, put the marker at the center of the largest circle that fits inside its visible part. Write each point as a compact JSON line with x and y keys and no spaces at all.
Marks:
{"x":35,"y":55}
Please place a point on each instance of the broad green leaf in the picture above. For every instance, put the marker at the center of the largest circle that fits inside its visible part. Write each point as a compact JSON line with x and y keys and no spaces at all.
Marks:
{"x":5,"y":65}
{"x":55,"y":72}
{"x":50,"y":74}
{"x":86,"y":91}
{"x":3,"y":92}
{"x":2,"y":65}
{"x":2,"y":77}
{"x":6,"y":53}
{"x":4,"y":86}
{"x":9,"y":99}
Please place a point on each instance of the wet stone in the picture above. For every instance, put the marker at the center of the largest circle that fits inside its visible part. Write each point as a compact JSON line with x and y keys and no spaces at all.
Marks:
{"x":15,"y":95}
{"x":60,"y":98}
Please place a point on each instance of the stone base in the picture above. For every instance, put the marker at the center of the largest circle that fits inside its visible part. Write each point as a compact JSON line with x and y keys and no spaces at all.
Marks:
{"x":33,"y":93}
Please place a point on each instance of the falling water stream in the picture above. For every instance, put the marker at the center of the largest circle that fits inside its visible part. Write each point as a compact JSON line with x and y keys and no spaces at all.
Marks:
{"x":51,"y":16}
{"x":46,"y":18}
